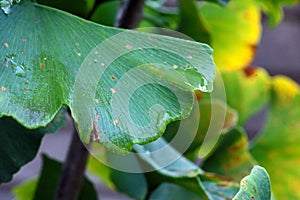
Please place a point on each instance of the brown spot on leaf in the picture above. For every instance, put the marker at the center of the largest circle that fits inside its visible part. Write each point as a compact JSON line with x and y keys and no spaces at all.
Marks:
{"x":250,"y":71}
{"x":23,"y":39}
{"x":95,"y":133}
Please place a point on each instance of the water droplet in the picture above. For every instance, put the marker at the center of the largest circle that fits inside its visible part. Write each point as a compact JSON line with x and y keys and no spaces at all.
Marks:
{"x":116,"y":122}
{"x":6,"y":44}
{"x":102,"y":64}
{"x":189,"y":56}
{"x":22,"y":52}
{"x":3,"y":89}
{"x":78,"y":54}
{"x":23,"y":39}
{"x":187,"y":65}
{"x":97,"y":100}
{"x":6,"y":5}
{"x":128,"y":47}
{"x":175,"y":66}
{"x":95,"y":61}
{"x":19,"y":71}
{"x":112,"y":90}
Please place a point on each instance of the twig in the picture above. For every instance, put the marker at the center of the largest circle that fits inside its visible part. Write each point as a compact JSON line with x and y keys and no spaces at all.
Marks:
{"x":72,"y":172}
{"x":130,"y":14}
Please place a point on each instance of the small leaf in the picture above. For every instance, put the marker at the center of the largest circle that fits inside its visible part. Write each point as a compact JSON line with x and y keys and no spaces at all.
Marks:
{"x":255,"y":186}
{"x":19,"y":145}
{"x":277,"y":147}
{"x":231,"y":157}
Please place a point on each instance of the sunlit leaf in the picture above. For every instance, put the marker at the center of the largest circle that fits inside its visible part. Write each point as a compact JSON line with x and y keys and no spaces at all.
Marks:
{"x":247,"y":91}
{"x":49,"y":60}
{"x":235,"y":31}
{"x":255,"y":186}
{"x":277,"y":147}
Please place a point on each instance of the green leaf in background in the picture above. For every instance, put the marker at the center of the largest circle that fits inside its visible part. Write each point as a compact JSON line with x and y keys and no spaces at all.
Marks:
{"x":277,"y":147}
{"x":105,"y":13}
{"x":191,"y":21}
{"x":42,"y":56}
{"x":132,"y":184}
{"x":168,"y":191}
{"x":235,"y":32}
{"x":247,"y":91}
{"x":19,"y":145}
{"x":45,"y":186}
{"x":208,"y":121}
{"x":81,"y":8}
{"x":25,"y":191}
{"x":273,"y":8}
{"x":231,"y":158}
{"x":255,"y":186}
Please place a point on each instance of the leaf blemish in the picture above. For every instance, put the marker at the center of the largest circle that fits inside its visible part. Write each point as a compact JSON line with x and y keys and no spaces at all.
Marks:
{"x":113,"y":78}
{"x":97,"y":100}
{"x":116,"y":122}
{"x":189,"y":56}
{"x":128,"y":47}
{"x":23,"y":39}
{"x":95,"y":133}
{"x":112,"y":90}
{"x":3,"y":89}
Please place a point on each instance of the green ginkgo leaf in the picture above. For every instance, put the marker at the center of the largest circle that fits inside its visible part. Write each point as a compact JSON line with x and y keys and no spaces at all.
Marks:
{"x":122,"y":87}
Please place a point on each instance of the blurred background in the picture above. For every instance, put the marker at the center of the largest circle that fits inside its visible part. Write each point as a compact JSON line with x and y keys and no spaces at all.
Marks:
{"x":278,"y":52}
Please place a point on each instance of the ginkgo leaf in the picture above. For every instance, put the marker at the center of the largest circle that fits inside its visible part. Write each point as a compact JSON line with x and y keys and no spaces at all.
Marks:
{"x":122,"y":87}
{"x":277,"y":147}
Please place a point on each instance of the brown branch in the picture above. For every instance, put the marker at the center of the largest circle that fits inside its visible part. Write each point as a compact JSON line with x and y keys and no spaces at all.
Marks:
{"x":72,"y":172}
{"x":130,"y":14}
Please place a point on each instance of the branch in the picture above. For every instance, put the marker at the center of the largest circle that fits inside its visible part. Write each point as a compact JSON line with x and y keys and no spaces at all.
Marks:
{"x":130,"y":14}
{"x":72,"y":172}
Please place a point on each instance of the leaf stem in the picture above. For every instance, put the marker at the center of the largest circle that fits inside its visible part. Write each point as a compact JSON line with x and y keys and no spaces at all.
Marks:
{"x":72,"y":172}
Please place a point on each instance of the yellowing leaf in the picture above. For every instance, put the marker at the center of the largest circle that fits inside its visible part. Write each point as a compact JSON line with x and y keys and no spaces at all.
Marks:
{"x":285,"y":88}
{"x":235,"y":31}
